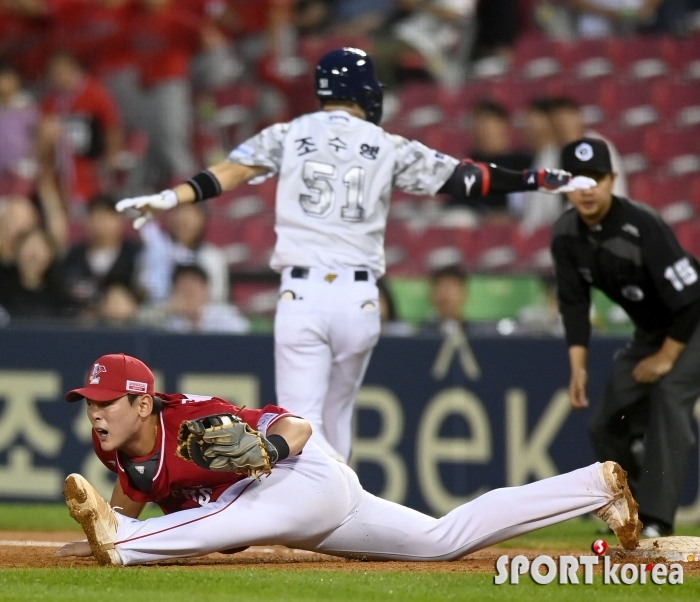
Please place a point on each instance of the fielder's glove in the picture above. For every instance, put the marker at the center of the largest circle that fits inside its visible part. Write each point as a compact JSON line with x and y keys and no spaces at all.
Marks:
{"x":557,"y":181}
{"x":145,"y":205}
{"x":224,"y":442}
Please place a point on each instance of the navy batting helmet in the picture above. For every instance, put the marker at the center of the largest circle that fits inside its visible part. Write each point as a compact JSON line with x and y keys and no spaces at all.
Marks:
{"x":348,"y":74}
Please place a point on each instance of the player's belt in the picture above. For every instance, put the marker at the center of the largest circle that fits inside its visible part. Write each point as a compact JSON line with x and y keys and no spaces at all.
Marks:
{"x":303,"y":274}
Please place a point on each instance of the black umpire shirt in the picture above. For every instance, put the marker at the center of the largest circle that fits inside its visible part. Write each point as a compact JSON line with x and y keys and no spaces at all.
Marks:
{"x":634,"y":258}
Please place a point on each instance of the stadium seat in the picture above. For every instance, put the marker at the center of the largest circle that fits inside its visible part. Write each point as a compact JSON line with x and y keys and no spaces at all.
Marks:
{"x":448,"y":140}
{"x":492,"y":298}
{"x":678,"y":102}
{"x":585,"y":92}
{"x":490,"y":247}
{"x":629,"y":142}
{"x":628,"y":102}
{"x":688,"y":235}
{"x":533,"y":250}
{"x":585,"y":59}
{"x":418,"y":106}
{"x":670,"y":196}
{"x":641,"y":57}
{"x":534,"y":58}
{"x":688,"y":57}
{"x":457,"y":104}
{"x":677,"y":150}
{"x":515,"y":95}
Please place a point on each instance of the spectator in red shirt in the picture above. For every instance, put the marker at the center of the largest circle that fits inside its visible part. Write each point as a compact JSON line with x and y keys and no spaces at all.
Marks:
{"x":165,"y":37}
{"x":80,"y":129}
{"x":97,"y":33}
{"x":24,"y":32}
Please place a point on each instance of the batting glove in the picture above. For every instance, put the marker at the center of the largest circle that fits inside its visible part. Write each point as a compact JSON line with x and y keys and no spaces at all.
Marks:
{"x":557,"y":181}
{"x":146,"y":205}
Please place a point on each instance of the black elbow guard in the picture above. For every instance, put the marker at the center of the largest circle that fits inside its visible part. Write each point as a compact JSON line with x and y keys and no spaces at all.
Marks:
{"x":469,"y":179}
{"x":205,"y":185}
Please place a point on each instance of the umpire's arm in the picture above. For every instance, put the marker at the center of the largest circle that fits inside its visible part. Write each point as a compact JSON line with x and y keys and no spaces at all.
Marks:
{"x":675,"y":276}
{"x":573,"y":295}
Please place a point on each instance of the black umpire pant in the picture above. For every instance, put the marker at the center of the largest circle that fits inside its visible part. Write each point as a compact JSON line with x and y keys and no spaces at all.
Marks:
{"x":661,"y":413}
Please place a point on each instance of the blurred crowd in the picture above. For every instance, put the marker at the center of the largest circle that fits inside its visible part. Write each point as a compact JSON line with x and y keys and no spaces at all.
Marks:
{"x":100,"y":99}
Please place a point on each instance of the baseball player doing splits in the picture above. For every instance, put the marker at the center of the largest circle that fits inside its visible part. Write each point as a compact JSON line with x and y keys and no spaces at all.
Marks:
{"x":183,"y":452}
{"x":335,"y":171}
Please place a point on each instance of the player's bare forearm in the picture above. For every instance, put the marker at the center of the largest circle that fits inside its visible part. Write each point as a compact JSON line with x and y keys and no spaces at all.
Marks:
{"x":295,"y":431}
{"x":579,"y":377}
{"x":230,"y":176}
{"x":123,"y":504}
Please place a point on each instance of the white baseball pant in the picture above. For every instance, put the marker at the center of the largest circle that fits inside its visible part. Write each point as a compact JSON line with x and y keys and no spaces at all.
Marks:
{"x":326,"y":325}
{"x":314,"y":503}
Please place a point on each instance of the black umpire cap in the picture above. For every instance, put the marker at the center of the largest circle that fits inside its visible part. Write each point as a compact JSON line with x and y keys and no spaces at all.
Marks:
{"x":586,"y":155}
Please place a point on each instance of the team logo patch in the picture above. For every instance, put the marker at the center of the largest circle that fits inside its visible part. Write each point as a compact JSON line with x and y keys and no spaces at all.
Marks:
{"x":368,"y":151}
{"x":134,"y":386}
{"x":97,"y":369}
{"x":330,"y":277}
{"x":584,"y":152}
{"x":633,"y":293}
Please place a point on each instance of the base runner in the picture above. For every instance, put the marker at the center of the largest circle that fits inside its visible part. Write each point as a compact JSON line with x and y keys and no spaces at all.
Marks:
{"x":336,"y":169}
{"x":225,"y":486}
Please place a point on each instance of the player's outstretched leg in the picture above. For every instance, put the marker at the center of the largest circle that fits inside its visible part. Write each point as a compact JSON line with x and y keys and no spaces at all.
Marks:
{"x":95,"y":516}
{"x":384,"y":530}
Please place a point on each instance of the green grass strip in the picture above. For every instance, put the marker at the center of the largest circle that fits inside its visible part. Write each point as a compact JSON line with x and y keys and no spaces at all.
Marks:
{"x":166,"y":584}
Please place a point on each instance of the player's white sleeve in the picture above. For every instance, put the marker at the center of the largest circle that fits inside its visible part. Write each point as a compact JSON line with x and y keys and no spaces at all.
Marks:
{"x":265,"y":149}
{"x":419,"y":169}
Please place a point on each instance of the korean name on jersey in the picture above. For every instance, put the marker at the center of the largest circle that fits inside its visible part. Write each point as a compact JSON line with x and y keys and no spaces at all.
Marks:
{"x":335,"y":175}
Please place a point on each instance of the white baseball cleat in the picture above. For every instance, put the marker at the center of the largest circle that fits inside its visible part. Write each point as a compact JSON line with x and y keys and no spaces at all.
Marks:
{"x":95,"y":516}
{"x":621,"y":512}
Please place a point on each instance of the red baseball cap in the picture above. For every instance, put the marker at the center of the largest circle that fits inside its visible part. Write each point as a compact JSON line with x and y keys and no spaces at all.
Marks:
{"x":112,"y":376}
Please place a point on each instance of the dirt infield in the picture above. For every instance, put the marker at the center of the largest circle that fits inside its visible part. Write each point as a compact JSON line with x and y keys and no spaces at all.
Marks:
{"x":41,"y":546}
{"x":35,"y":549}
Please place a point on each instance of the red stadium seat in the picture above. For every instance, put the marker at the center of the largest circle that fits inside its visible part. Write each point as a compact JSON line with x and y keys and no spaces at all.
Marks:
{"x":688,"y":235}
{"x":678,"y":102}
{"x":533,"y":250}
{"x":418,"y":105}
{"x":448,"y":140}
{"x":490,"y":247}
{"x":457,"y":104}
{"x":670,"y":196}
{"x":515,"y":95}
{"x":641,"y":57}
{"x":630,"y":144}
{"x":534,"y":57}
{"x":677,"y":150}
{"x":628,"y":103}
{"x":688,"y":53}
{"x":585,"y":59}
{"x":585,"y":92}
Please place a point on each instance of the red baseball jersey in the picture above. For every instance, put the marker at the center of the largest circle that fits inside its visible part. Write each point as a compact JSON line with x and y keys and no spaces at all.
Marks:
{"x":178,"y":484}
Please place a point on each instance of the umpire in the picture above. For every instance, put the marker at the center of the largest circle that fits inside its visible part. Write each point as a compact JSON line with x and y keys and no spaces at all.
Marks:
{"x":625,"y":249}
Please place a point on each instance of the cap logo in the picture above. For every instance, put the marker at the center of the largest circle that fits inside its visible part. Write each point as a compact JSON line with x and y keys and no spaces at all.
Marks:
{"x":584,"y":152}
{"x":134,"y":386}
{"x":97,"y":369}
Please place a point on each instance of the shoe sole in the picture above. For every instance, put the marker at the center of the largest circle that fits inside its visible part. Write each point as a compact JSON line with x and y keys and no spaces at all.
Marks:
{"x":86,"y":517}
{"x":628,"y":533}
